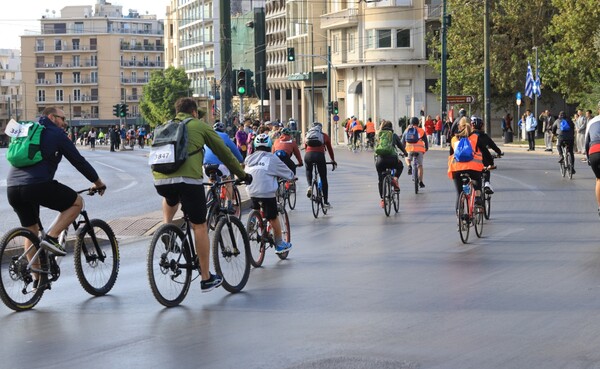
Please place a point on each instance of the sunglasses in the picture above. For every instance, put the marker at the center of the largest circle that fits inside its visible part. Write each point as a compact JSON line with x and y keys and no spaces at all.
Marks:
{"x":58,"y":116}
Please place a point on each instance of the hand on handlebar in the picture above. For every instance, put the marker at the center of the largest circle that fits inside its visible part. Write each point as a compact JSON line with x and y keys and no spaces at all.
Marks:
{"x":334,"y":166}
{"x":99,"y":189}
{"x":300,"y":165}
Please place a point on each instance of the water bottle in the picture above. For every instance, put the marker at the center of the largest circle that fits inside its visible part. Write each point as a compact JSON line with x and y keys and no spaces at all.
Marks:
{"x":320,"y":185}
{"x":466,"y":189}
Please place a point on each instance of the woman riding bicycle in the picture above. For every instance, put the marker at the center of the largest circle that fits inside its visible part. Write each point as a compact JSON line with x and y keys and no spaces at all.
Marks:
{"x":564,"y":128}
{"x":466,"y":164}
{"x":385,"y":149}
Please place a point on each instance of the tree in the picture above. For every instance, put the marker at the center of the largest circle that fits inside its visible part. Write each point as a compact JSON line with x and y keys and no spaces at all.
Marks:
{"x":159,"y":95}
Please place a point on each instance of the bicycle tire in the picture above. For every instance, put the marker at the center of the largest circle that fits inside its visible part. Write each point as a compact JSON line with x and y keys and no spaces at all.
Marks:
{"x":97,"y":277}
{"x":169,"y":265}
{"x":478,"y":220}
{"x":463,"y":217}
{"x":231,"y":263}
{"x":16,"y":283}
{"x":255,"y":228}
{"x":487,"y":205}
{"x":387,"y":195}
{"x":292,"y":195}
{"x":570,"y":162}
{"x":415,"y":175}
{"x":315,"y":199}
{"x":563,"y":169}
{"x":280,"y":193}
{"x":236,"y":202}
{"x":396,"y":200}
{"x":285,"y":231}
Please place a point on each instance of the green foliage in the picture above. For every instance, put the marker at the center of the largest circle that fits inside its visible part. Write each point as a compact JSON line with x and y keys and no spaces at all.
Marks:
{"x":161,"y":92}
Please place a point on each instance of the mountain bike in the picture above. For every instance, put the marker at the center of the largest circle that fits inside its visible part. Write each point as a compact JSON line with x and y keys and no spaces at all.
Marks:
{"x":27,"y":270}
{"x":468,"y":213}
{"x":260,"y":234}
{"x":172,"y":257}
{"x":316,"y":198}
{"x":566,"y":165}
{"x":217,"y":200}
{"x":286,"y":192}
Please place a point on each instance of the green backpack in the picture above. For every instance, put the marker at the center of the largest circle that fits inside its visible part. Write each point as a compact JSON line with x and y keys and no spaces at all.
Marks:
{"x":385,"y":143}
{"x":24,"y":149}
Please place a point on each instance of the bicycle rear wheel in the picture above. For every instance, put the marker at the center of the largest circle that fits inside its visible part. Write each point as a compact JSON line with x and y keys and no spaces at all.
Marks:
{"x":16,"y":280}
{"x":387,"y":195}
{"x":478,"y":220}
{"x":315,"y":199}
{"x":254,"y":228}
{"x":463,"y":217}
{"x":487,"y":205}
{"x":285,"y":231}
{"x":96,"y":257}
{"x":280,"y":193}
{"x":169,"y":265}
{"x":415,"y":175}
{"x":396,"y":199}
{"x":230,"y":253}
{"x":292,"y":195}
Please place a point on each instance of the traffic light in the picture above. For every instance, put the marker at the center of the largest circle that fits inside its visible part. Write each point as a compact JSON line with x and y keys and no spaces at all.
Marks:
{"x":241,"y":82}
{"x":116,"y":108}
{"x":330,"y":107}
{"x":335,"y":108}
{"x":124,"y":110}
{"x":233,"y":82}
{"x":291,"y":54}
{"x":250,"y":90}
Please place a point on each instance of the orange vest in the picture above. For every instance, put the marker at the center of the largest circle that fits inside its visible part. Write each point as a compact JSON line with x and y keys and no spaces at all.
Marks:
{"x":418,"y":146}
{"x":370,"y":127}
{"x":475,"y":164}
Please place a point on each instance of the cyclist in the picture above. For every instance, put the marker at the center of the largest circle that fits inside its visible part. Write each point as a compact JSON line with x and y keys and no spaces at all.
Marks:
{"x":315,"y":155}
{"x":417,"y":149}
{"x":462,"y":113}
{"x":185,"y":185}
{"x":473,"y":167}
{"x":265,"y":169}
{"x":356,"y":128}
{"x":284,"y":147}
{"x":592,"y":150}
{"x":370,"y":130}
{"x":30,"y":187}
{"x":387,"y":157}
{"x":488,"y":159}
{"x":564,"y":128}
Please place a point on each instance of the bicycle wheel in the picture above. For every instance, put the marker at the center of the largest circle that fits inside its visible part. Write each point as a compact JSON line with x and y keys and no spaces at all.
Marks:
{"x":563,"y":168}
{"x":292,"y":195}
{"x":230,"y":253}
{"x":169,"y":266}
{"x":396,"y":199}
{"x":478,"y":220}
{"x":285,"y":231}
{"x":487,"y":204}
{"x":236,"y":202}
{"x":387,"y":195}
{"x":463,"y":217}
{"x":16,"y":280}
{"x":322,"y":202}
{"x":569,"y":162}
{"x":96,"y":257}
{"x":255,"y":227}
{"x":280,"y":193}
{"x":315,"y":200}
{"x":415,"y":176}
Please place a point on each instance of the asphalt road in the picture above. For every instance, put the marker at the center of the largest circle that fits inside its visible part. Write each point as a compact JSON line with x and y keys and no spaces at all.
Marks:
{"x":361,"y":290}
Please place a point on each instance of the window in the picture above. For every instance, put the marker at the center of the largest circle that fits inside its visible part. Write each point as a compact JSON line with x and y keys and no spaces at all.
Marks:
{"x":94,"y":60}
{"x":94,"y":77}
{"x":58,"y":76}
{"x":57,"y":45}
{"x":59,"y":95}
{"x":77,"y":95}
{"x":384,"y":38}
{"x":76,"y":77}
{"x":39,"y":45}
{"x":335,"y":44}
{"x":75,"y":44}
{"x":78,"y":27}
{"x":351,"y":41}
{"x":403,"y":38}
{"x":76,"y":60}
{"x":41,"y":95}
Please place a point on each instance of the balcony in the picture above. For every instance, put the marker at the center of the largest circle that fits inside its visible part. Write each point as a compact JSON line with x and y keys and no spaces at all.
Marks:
{"x":341,"y":19}
{"x":141,"y":64}
{"x":78,"y":48}
{"x":432,"y":12}
{"x":135,"y":80}
{"x":126,"y":46}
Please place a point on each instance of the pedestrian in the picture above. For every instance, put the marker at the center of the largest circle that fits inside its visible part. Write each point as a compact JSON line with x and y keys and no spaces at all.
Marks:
{"x":592,"y":149}
{"x":123,"y":133}
{"x":241,"y":138}
{"x":92,"y":138}
{"x":429,"y":129}
{"x":439,"y":126}
{"x":547,"y":120}
{"x":580,"y":126}
{"x":530,"y":126}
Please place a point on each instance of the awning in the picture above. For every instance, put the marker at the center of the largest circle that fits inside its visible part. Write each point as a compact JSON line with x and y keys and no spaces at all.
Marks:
{"x":355,"y":88}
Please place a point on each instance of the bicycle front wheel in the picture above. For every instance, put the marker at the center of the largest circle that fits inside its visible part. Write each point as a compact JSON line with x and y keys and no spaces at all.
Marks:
{"x":487,"y":204}
{"x":463,"y":217}
{"x":254,"y":228}
{"x":315,"y":199}
{"x":236,"y":202}
{"x":96,"y":256}
{"x":478,"y":220}
{"x":387,"y":195}
{"x":16,"y":279}
{"x":563,"y":168}
{"x":569,"y":163}
{"x":396,"y":199}
{"x":169,"y":266}
{"x":230,"y":253}
{"x":285,"y":231}
{"x":416,"y":177}
{"x":292,"y":195}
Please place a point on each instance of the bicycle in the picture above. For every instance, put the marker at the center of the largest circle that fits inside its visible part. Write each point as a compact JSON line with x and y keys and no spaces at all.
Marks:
{"x":370,"y":144}
{"x":216,"y":201}
{"x":286,"y":192}
{"x":317,"y":199}
{"x":95,"y":254}
{"x":390,"y":194}
{"x":261,"y":237}
{"x":415,"y":169}
{"x":468,"y":213}
{"x":172,"y":257}
{"x":487,"y":197}
{"x":566,"y":165}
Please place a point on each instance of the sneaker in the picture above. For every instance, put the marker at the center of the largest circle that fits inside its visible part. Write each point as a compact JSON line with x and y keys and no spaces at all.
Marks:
{"x":283,"y":247}
{"x":309,"y":193}
{"x":478,"y":201}
{"x":326,"y":205}
{"x":421,"y":184}
{"x":395,"y":184}
{"x":382,"y":203}
{"x":488,"y":188}
{"x":410,"y":170}
{"x":210,"y":284}
{"x":53,"y":246}
{"x":561,"y":160}
{"x":573,"y":171}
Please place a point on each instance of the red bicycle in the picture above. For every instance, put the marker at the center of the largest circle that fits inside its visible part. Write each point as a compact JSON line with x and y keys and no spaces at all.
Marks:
{"x":468,"y":213}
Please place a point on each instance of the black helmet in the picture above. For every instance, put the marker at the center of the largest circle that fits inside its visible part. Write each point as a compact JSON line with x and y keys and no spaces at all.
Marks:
{"x":414,"y":121}
{"x":314,"y":124}
{"x":462,"y":112}
{"x":219,"y":126}
{"x":286,"y":131}
{"x":476,"y":122}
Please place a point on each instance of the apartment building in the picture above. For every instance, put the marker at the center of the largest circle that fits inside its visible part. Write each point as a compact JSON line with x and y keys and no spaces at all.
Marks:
{"x":88,"y":59}
{"x":10,"y":90}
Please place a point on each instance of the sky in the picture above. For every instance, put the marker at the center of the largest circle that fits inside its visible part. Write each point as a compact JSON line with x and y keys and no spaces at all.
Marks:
{"x":22,"y":17}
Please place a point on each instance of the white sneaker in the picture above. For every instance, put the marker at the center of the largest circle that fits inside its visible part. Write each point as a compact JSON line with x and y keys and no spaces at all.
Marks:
{"x":326,"y":205}
{"x":488,"y":188}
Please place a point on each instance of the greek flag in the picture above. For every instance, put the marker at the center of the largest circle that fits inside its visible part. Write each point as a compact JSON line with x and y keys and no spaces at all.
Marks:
{"x":538,"y":84}
{"x":529,"y":82}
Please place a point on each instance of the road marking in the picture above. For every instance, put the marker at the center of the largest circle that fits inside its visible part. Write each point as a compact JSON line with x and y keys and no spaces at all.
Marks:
{"x":532,"y":188}
{"x":110,"y":166}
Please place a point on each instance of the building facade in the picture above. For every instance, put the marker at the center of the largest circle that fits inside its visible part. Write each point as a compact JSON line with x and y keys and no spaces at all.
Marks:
{"x":11,"y":101}
{"x":89,"y":59}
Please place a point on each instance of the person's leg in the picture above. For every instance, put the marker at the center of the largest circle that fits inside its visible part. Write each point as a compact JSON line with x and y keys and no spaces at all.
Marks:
{"x":202,"y":248}
{"x":308,"y":164}
{"x":598,"y":193}
{"x":570,"y":148}
{"x":322,"y":168}
{"x":380,"y":167}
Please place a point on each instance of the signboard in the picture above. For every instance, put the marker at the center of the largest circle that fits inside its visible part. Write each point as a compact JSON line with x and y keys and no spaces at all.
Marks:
{"x":460,"y":99}
{"x":336,"y":118}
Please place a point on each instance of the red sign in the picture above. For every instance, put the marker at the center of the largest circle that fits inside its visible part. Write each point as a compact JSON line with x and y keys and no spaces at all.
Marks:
{"x":460,"y":99}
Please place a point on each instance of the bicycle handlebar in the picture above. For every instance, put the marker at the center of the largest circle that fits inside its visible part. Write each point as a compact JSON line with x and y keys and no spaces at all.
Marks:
{"x":93,"y":190}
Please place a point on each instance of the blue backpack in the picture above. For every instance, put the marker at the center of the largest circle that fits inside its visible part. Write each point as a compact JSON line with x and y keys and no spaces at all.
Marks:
{"x":464,"y":151}
{"x":412,"y":135}
{"x":564,"y":125}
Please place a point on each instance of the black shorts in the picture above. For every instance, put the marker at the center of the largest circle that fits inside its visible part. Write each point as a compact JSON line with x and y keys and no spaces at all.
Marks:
{"x":26,"y":200}
{"x":269,"y":206}
{"x":191,"y":197}
{"x":595,"y":163}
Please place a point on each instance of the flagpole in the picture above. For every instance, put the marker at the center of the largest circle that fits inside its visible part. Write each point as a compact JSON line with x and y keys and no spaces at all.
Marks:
{"x":536,"y":92}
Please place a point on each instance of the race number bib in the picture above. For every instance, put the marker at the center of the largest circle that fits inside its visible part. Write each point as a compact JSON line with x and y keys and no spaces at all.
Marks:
{"x":164,"y":154}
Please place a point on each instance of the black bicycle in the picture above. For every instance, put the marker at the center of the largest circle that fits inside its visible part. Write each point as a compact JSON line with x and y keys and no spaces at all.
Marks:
{"x":27,"y":270}
{"x":286,"y":192}
{"x":566,"y":164}
{"x":260,"y":234}
{"x":316,"y":197}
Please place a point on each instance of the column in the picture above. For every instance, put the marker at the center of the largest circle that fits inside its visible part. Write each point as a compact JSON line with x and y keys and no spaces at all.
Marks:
{"x":282,"y":105}
{"x":272,"y":104}
{"x":295,"y":111}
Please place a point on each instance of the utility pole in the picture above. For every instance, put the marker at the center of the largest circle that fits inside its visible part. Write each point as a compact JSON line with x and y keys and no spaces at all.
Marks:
{"x":486,"y":74}
{"x":329,"y":89}
{"x":226,"y":78}
{"x":444,"y":76}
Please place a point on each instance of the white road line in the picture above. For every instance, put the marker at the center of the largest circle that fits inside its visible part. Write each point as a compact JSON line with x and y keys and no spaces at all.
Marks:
{"x":109,"y":166}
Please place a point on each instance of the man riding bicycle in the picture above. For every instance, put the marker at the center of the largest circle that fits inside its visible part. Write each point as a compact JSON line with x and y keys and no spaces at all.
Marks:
{"x":32,"y":186}
{"x":488,"y":159}
{"x":370,"y":131}
{"x":564,"y":128}
{"x":315,"y":145}
{"x":387,"y":157}
{"x":284,"y":147}
{"x":416,"y":147}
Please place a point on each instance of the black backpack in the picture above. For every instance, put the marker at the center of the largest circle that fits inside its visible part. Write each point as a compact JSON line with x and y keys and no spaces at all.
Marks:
{"x":170,"y":146}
